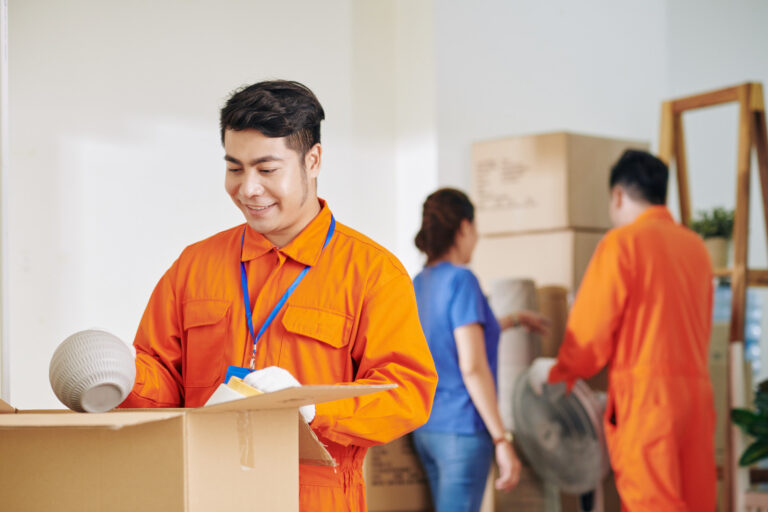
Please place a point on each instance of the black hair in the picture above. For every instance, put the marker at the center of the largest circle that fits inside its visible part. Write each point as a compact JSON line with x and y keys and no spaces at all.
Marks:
{"x":276,"y":108}
{"x":643,"y":176}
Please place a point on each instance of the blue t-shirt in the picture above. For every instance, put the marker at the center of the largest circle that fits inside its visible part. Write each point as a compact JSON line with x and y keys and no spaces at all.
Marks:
{"x":448,"y":297}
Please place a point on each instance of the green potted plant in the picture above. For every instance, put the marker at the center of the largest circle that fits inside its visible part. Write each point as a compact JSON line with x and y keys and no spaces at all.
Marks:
{"x":715,"y":227}
{"x":754,"y":424}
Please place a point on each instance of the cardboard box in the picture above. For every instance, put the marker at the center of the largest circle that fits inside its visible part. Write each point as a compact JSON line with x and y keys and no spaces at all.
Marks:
{"x":395,"y":479}
{"x":552,"y":302}
{"x":228,"y":456}
{"x":544,"y":182}
{"x":552,"y":258}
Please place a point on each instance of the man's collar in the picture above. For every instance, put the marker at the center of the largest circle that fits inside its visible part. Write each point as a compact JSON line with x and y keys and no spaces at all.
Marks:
{"x":305,"y":248}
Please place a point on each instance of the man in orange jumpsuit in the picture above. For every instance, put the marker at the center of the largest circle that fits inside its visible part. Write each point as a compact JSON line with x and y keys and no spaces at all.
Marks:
{"x":351,"y":316}
{"x":644,"y":307}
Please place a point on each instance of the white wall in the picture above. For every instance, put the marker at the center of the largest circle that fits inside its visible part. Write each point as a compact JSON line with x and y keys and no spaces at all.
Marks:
{"x":116,"y":163}
{"x":508,"y":68}
{"x":416,"y":145}
{"x":4,"y":348}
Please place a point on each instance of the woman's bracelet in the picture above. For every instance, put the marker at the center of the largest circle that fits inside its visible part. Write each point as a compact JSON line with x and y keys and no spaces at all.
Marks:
{"x":508,"y":437}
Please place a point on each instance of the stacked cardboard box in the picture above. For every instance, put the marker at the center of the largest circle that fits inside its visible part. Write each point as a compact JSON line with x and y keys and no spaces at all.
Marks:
{"x":542,"y":204}
{"x":556,"y":258}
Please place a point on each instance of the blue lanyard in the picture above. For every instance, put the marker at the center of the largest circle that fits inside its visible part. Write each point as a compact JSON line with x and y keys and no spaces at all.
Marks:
{"x":283,"y":299}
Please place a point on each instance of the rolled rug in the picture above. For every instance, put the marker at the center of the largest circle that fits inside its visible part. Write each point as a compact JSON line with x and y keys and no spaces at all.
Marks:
{"x":517,"y":347}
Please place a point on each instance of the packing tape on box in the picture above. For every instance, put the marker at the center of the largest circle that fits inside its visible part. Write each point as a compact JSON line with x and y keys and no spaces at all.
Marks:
{"x":235,"y":390}
{"x":245,"y":440}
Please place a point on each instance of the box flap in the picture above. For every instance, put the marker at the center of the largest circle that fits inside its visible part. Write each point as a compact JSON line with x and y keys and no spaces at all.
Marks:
{"x":75,"y":419}
{"x":293,"y":397}
{"x":311,"y":450}
{"x":5,"y":407}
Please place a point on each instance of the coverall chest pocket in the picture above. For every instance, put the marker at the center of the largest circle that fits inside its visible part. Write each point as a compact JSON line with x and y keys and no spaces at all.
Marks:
{"x":206,"y":323}
{"x":317,"y":337}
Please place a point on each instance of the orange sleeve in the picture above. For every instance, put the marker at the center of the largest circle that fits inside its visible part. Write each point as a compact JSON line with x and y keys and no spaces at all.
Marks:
{"x":389,"y":348}
{"x":596,"y":314}
{"x":158,"y":350}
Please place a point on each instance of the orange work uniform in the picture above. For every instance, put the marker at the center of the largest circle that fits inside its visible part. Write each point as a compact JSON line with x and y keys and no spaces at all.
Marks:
{"x":645,"y":308}
{"x":353,"y":318}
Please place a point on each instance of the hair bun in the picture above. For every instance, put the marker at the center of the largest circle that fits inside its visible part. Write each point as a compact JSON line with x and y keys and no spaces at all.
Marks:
{"x":441,"y":218}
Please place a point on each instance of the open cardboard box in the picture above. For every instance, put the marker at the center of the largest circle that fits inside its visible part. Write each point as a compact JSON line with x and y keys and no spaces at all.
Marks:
{"x":237,"y":455}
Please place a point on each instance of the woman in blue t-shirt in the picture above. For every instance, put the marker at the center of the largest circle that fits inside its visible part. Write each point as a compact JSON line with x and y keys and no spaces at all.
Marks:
{"x":465,"y":429}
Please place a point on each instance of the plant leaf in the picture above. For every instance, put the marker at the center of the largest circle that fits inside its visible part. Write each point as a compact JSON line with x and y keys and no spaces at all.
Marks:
{"x":761,"y":402}
{"x":759,"y":429}
{"x":754,"y":452}
{"x":715,"y":222}
{"x":745,"y":418}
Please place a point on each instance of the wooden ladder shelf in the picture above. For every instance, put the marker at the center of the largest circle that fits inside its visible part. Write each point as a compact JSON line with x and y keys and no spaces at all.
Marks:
{"x":752,"y":133}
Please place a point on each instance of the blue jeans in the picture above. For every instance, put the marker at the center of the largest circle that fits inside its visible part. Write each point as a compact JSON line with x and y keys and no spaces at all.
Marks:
{"x":457,"y":468}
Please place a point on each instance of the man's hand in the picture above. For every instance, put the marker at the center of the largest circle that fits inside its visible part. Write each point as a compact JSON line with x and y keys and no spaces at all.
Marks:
{"x":539,"y":373}
{"x":274,"y":378}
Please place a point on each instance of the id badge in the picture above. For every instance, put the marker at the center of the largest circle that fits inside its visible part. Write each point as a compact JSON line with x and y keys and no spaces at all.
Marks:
{"x":236,"y":371}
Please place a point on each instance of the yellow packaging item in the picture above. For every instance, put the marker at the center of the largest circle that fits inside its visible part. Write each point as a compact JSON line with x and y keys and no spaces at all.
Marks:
{"x":237,"y":384}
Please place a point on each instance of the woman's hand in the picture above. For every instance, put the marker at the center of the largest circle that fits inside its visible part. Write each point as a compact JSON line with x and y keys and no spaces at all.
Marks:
{"x":531,"y":320}
{"x":509,"y":466}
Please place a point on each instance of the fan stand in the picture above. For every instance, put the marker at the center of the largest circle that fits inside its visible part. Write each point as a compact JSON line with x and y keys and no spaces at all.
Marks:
{"x":752,"y":133}
{"x":552,"y":498}
{"x":552,"y":493}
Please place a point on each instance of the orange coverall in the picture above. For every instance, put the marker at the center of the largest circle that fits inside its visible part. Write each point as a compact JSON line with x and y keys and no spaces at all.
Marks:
{"x":352,"y":319}
{"x":645,"y":308}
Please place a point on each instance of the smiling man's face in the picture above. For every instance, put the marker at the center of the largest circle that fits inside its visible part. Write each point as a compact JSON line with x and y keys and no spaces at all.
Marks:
{"x":272,"y":184}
